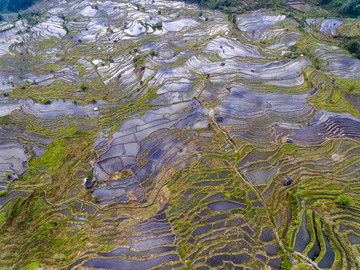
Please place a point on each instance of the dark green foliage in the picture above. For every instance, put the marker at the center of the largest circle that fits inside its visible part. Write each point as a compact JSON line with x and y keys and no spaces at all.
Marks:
{"x":153,"y":53}
{"x":139,"y":60}
{"x":32,"y":20}
{"x":62,"y":16}
{"x":83,"y":87}
{"x":157,"y":25}
{"x":349,"y":8}
{"x":294,"y":52}
{"x":229,"y":6}
{"x":65,"y":27}
{"x":232,"y":18}
{"x":89,"y":174}
{"x":353,"y":46}
{"x":46,"y":101}
{"x":15,"y":209}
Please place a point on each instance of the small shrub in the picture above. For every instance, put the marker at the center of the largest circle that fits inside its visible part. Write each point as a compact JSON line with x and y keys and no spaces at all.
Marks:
{"x":139,"y":60}
{"x":83,"y":87}
{"x":89,"y":174}
{"x":32,"y":20}
{"x":107,"y":248}
{"x":74,"y":101}
{"x":343,"y":199}
{"x":153,"y":53}
{"x":352,"y":88}
{"x":3,"y":193}
{"x":93,"y":100}
{"x":65,"y":28}
{"x":157,"y":25}
{"x":46,"y":101}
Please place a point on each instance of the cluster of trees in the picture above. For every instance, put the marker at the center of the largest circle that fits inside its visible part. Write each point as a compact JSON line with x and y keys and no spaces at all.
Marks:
{"x":351,"y":7}
{"x":15,"y":5}
{"x":353,"y":46}
{"x":345,"y":7}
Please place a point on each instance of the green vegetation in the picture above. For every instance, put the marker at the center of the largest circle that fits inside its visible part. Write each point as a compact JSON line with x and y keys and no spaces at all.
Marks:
{"x":65,"y":27}
{"x":228,"y":6}
{"x":89,"y":174}
{"x":294,"y":52}
{"x":286,"y":264}
{"x":344,"y":7}
{"x":153,"y":53}
{"x":32,"y":19}
{"x":3,"y":218}
{"x":53,"y":221}
{"x":343,"y":200}
{"x":157,"y":26}
{"x":139,"y":60}
{"x":288,"y":147}
{"x":46,"y":101}
{"x":83,"y":87}
{"x":353,"y":45}
{"x":31,"y":266}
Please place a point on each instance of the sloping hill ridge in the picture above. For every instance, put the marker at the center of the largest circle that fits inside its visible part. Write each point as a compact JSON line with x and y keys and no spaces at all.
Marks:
{"x":164,"y":135}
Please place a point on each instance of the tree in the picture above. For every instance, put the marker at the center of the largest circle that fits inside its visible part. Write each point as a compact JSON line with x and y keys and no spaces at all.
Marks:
{"x":353,"y":46}
{"x":343,"y":199}
{"x":351,"y":7}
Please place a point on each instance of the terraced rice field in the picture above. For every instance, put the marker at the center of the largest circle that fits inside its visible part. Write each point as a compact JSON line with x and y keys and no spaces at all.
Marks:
{"x":143,"y":135}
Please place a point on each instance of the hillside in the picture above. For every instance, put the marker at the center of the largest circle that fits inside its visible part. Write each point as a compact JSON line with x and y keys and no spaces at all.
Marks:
{"x":178,"y":135}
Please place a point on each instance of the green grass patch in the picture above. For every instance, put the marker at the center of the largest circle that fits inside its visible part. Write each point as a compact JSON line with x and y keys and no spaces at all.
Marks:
{"x":350,"y":85}
{"x":3,"y":218}
{"x":288,"y":147}
{"x":81,"y":70}
{"x":31,"y":266}
{"x":139,"y":60}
